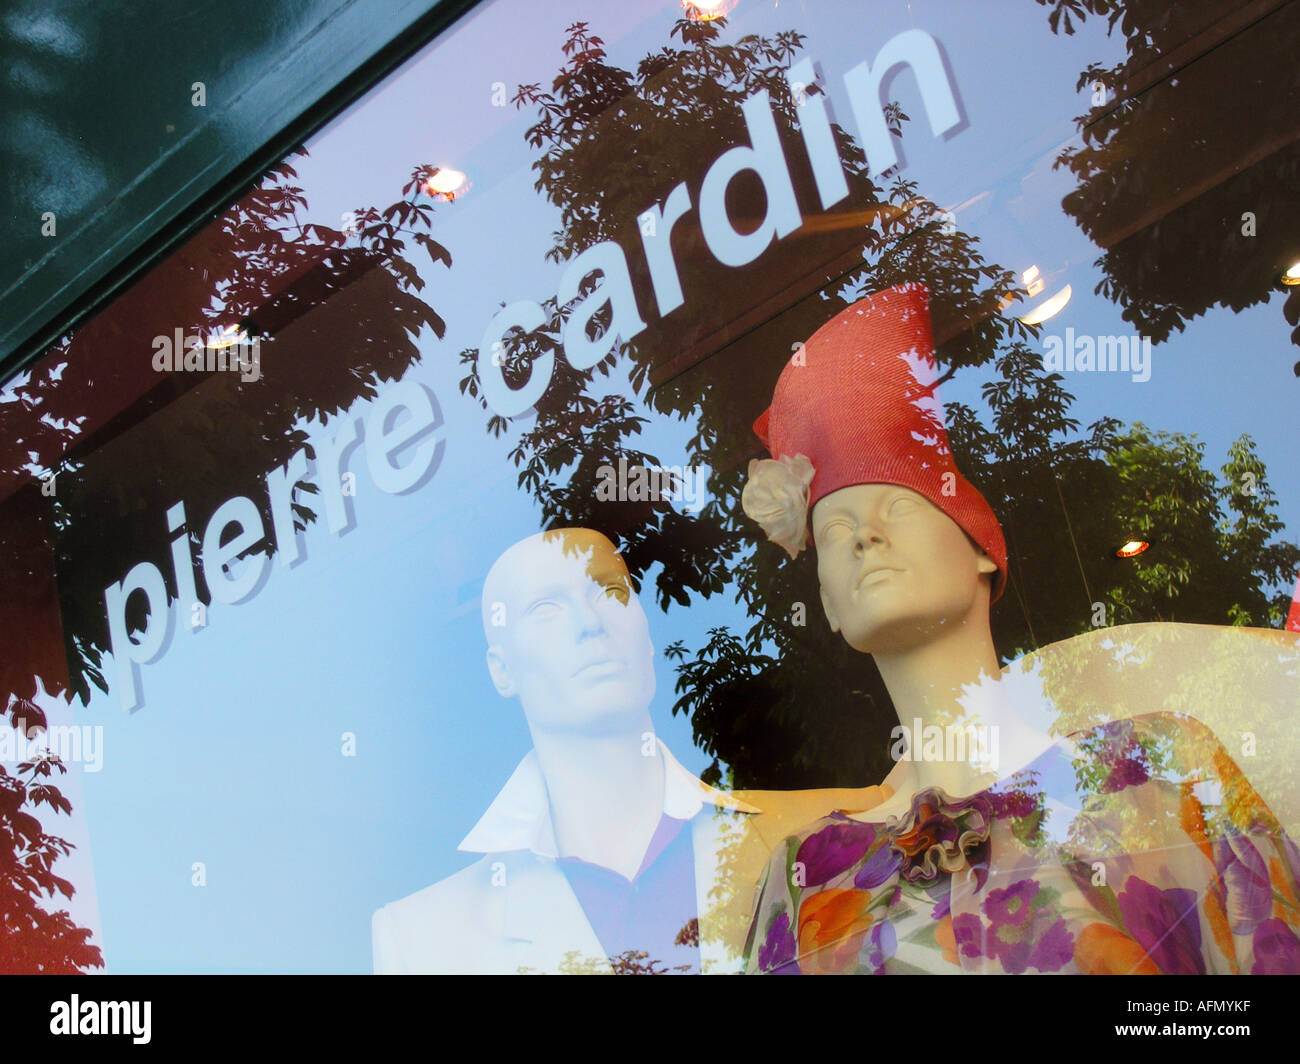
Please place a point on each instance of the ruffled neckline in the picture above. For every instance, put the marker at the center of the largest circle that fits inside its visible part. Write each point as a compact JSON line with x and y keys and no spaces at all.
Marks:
{"x":941,"y":835}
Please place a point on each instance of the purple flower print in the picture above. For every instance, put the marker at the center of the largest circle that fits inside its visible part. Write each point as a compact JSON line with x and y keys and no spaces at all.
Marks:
{"x":1244,"y":872}
{"x":881,"y":944}
{"x":1011,"y":917}
{"x":1277,"y":949}
{"x":1009,"y":906}
{"x":970,"y":934}
{"x":833,"y":850}
{"x":941,"y":892}
{"x":1165,"y":924}
{"x":1023,"y":935}
{"x":776,"y":955}
{"x":1054,"y":949}
{"x":878,"y":868}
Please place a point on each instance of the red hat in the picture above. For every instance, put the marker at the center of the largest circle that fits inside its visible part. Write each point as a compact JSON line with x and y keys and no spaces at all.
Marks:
{"x":858,"y":404}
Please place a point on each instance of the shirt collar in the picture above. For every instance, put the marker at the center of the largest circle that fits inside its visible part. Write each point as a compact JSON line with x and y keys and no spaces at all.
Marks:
{"x":519,"y":818}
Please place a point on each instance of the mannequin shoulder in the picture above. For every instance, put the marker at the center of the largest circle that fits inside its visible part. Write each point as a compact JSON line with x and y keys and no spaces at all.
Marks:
{"x":782,"y":814}
{"x":442,"y":907}
{"x":1178,"y":743}
{"x":445,"y":926}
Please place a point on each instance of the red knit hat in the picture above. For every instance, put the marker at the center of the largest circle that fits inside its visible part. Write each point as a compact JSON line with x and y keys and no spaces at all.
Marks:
{"x":859,"y":403}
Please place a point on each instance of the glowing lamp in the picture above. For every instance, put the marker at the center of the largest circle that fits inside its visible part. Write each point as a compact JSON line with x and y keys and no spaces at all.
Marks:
{"x":445,"y":183}
{"x":707,"y":10}
{"x":1048,"y":308}
{"x":227,"y":337}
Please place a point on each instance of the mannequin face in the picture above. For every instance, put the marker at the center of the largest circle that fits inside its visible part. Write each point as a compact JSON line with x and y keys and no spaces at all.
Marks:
{"x":566,"y":634}
{"x":895,"y":570}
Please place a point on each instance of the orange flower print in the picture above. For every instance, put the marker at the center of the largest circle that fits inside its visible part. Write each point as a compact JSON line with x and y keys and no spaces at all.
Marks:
{"x":832,"y":926}
{"x":946,"y":940}
{"x":1246,"y":809}
{"x":1285,"y":907}
{"x":1191,"y":818}
{"x":1217,"y":918}
{"x":1102,"y":950}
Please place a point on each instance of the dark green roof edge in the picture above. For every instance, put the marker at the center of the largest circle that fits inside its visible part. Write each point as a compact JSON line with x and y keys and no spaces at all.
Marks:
{"x":332,"y":67}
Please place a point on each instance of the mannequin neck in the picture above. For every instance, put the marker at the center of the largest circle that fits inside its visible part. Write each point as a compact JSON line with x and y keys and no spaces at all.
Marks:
{"x":606,"y":795}
{"x":926,"y":680}
{"x":925,"y":683}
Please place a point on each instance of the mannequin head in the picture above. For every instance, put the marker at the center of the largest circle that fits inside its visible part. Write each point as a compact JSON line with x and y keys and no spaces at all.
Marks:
{"x":567,"y":636}
{"x":895,"y":571}
{"x":859,"y":406}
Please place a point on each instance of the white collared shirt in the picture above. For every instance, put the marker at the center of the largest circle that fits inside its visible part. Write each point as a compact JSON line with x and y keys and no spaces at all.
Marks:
{"x":519,"y":818}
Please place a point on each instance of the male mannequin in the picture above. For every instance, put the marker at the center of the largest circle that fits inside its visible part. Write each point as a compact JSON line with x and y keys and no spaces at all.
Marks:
{"x":601,"y":847}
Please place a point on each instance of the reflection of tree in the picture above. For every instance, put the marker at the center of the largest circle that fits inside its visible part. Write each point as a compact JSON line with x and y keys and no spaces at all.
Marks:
{"x":34,"y":940}
{"x":785,"y":704}
{"x":629,"y":962}
{"x":340,"y":316}
{"x":1243,"y":684}
{"x":1180,"y":154}
{"x":1066,"y":502}
{"x":338,"y":312}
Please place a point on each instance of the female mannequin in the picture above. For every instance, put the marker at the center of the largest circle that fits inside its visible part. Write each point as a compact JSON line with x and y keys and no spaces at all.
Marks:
{"x":1133,"y":846}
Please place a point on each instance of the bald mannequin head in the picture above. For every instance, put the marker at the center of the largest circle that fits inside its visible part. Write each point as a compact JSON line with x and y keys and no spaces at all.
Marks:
{"x":566,"y":634}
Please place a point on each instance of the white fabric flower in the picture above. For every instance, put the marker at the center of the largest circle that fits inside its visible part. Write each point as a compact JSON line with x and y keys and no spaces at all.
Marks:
{"x":776,"y":496}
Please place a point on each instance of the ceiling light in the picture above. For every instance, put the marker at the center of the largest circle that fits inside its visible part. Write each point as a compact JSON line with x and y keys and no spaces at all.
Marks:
{"x":227,"y":337}
{"x":707,"y":10}
{"x":1048,"y":308}
{"x":446,"y":183}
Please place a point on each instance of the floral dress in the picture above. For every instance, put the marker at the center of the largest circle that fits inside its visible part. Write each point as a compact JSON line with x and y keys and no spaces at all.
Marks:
{"x":1137,"y":846}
